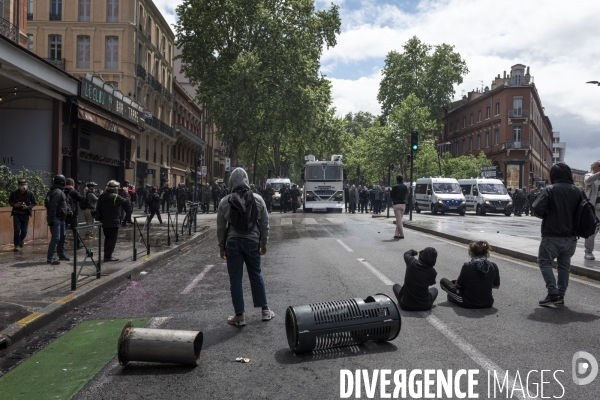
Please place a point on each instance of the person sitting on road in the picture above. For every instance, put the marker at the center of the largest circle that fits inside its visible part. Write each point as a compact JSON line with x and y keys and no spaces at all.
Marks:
{"x":473,"y":288}
{"x":416,"y":295}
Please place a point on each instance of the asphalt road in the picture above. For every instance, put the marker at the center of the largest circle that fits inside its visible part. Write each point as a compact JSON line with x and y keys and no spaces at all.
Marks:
{"x":317,"y":257}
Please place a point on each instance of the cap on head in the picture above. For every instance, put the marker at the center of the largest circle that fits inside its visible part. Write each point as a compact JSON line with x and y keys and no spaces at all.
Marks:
{"x":60,"y":180}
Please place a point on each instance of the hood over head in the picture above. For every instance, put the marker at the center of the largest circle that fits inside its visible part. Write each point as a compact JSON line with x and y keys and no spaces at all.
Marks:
{"x":428,"y":256}
{"x":238,"y":180}
{"x":561,"y":172}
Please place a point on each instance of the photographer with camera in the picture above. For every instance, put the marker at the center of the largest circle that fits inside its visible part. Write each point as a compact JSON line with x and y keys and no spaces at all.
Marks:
{"x":109,"y":213}
{"x":89,"y":206}
{"x":22,"y":201}
{"x":126,"y":208}
{"x":57,"y":212}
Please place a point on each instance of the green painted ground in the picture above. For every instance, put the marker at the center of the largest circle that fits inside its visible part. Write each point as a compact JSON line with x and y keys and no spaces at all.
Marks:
{"x":62,"y":368}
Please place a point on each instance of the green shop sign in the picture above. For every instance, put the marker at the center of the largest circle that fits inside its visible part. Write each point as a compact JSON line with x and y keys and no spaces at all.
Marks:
{"x":97,"y":95}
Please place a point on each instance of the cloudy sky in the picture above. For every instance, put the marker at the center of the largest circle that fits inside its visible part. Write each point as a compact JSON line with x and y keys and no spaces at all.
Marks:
{"x":559,"y":40}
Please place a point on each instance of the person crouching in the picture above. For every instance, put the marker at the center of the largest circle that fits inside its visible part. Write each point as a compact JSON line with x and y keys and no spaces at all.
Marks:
{"x":416,"y":295}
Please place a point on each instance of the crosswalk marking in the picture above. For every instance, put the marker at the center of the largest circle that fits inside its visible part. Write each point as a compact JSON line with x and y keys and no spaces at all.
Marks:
{"x":310,"y":221}
{"x":286,"y":221}
{"x":335,"y":220}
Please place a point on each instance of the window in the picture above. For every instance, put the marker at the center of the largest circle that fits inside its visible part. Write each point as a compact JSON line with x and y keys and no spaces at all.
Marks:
{"x":496,"y":136}
{"x":464,"y":122}
{"x":83,"y":51}
{"x":112,"y":10}
{"x":517,"y":79}
{"x":479,"y":116}
{"x":55,"y":47}
{"x":84,"y":10}
{"x":487,"y":138}
{"x":479,"y":141}
{"x":30,"y":9}
{"x":471,"y":119}
{"x":55,"y":10}
{"x":471,"y":143}
{"x":517,"y":106}
{"x":497,"y":108}
{"x":30,"y":42}
{"x":488,"y":112}
{"x":114,"y":84}
{"x":517,"y":132}
{"x":112,"y":52}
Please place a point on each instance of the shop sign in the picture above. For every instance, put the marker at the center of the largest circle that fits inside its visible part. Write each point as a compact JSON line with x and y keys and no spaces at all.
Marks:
{"x":97,"y":95}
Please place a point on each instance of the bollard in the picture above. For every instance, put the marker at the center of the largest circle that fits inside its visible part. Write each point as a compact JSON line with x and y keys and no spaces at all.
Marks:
{"x":159,"y":345}
{"x":349,"y":322}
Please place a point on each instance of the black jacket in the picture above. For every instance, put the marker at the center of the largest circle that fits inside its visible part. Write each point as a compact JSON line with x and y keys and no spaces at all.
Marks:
{"x":109,"y":205}
{"x":558,"y":203}
{"x":29,"y":200}
{"x":154,"y":201}
{"x":76,"y":198}
{"x":57,"y":205}
{"x":399,"y":193}
{"x":420,"y":274}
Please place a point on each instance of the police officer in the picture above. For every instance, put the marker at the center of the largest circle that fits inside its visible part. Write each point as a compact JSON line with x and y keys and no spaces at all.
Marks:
{"x":216,"y":191}
{"x":283,"y":199}
{"x":268,"y":197}
{"x":166,"y":195}
{"x":294,"y":193}
{"x":126,"y":208}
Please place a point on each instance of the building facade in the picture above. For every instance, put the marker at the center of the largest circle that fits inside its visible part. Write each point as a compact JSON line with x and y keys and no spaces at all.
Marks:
{"x":507,"y":123}
{"x":558,"y":149}
{"x":128,"y":45}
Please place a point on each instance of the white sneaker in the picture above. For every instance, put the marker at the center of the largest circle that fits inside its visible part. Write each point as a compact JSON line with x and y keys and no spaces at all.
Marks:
{"x":589,"y":256}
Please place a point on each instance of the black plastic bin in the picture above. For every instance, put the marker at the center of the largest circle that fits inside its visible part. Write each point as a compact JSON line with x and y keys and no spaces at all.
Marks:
{"x":340,"y":323}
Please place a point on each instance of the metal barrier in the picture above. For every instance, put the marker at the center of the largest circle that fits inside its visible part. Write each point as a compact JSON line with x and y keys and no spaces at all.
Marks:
{"x":349,"y":322}
{"x":170,"y":225}
{"x":96,"y":229}
{"x":146,"y":240}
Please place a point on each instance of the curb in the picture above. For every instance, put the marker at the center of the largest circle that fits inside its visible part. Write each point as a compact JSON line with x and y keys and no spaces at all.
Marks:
{"x":577,"y":270}
{"x":24,"y":327}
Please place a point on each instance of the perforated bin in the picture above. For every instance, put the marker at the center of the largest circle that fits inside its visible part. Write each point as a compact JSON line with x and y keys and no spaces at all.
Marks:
{"x":340,"y":323}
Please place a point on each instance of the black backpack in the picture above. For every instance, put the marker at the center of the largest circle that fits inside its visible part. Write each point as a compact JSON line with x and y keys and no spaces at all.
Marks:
{"x":586,"y":223}
{"x":243,"y":211}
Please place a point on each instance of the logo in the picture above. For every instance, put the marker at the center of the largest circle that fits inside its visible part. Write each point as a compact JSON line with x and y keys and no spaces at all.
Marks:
{"x":581,"y":368}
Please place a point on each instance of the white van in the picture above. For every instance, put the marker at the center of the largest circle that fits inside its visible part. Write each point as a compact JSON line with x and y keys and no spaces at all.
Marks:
{"x":439,"y":195}
{"x":486,"y":196}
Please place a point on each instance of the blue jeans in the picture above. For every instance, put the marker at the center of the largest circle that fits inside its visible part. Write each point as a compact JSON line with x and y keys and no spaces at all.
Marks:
{"x":140,"y":199}
{"x":20,"y":225}
{"x":561,"y":249}
{"x":59,"y":233}
{"x":240,"y":251}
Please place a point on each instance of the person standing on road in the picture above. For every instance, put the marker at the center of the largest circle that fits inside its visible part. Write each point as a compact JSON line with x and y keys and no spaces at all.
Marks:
{"x":109,"y":207}
{"x":244,"y":209}
{"x":22,"y":202}
{"x":139,"y":192}
{"x":591,"y":182}
{"x":154,"y":203}
{"x":346,"y":196}
{"x":416,"y":295}
{"x":126,"y":208}
{"x":206,"y":197}
{"x":477,"y":278}
{"x":557,"y":206}
{"x":91,"y":199}
{"x":294,"y":193}
{"x":73,"y":200}
{"x":216,"y":191}
{"x":353,"y":198}
{"x":377,"y":198}
{"x":166,"y":197}
{"x":57,"y":211}
{"x":181,"y":197}
{"x":398,"y":197}
{"x":533,"y":194}
{"x":269,"y":193}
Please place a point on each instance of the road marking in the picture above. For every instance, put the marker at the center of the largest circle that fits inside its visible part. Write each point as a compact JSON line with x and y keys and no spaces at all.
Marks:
{"x":328,"y":231}
{"x":286,"y":221}
{"x":374,"y":270}
{"x":335,"y":220}
{"x":469,"y":350}
{"x":156,"y":322}
{"x":65,"y":299}
{"x":29,"y":319}
{"x":344,"y":245}
{"x":310,"y":221}
{"x":197,"y":279}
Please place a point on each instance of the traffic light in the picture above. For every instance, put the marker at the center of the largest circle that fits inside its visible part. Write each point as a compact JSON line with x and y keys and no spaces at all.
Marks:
{"x":414,"y":141}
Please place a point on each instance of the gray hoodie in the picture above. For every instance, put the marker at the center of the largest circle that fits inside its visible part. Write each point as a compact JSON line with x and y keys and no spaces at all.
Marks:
{"x":237,"y":181}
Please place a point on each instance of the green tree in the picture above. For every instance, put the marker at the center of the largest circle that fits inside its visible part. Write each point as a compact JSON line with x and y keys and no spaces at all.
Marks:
{"x":464,"y":167}
{"x":357,"y":123}
{"x":35,"y":183}
{"x":431,"y":76}
{"x":256,"y":64}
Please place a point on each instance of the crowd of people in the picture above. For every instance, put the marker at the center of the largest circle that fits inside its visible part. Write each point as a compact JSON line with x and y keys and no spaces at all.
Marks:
{"x":364,"y":199}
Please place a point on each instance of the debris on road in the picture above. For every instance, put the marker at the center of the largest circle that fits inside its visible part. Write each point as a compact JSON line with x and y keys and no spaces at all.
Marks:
{"x":242,"y":360}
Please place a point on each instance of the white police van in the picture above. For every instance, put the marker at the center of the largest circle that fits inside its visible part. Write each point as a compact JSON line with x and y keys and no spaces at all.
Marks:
{"x":486,"y":195}
{"x":439,"y":195}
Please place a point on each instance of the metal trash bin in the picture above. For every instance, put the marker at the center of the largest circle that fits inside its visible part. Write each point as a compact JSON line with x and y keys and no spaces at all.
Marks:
{"x":159,"y":345}
{"x":340,"y":323}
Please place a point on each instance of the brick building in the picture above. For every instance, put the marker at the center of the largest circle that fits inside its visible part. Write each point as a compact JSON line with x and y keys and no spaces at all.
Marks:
{"x":507,"y":123}
{"x":578,"y":176}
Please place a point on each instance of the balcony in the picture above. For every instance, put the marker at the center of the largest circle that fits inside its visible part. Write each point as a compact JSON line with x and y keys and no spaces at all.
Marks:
{"x":8,"y":30}
{"x":55,"y":17}
{"x":161,"y":126}
{"x":29,"y":16}
{"x":140,"y":71}
{"x":189,"y":135}
{"x":525,"y":145}
{"x":518,"y":113}
{"x":57,"y":62}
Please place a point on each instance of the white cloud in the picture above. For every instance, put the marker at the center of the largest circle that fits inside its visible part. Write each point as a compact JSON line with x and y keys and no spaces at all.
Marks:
{"x":356,"y":95}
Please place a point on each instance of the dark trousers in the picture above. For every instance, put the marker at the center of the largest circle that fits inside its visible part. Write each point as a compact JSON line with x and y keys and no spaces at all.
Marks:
{"x":346,"y":205}
{"x":140,"y":200}
{"x":294,"y":206}
{"x":268,"y":204}
{"x":72,"y":224}
{"x":166,"y":202}
{"x":127,"y":210}
{"x":20,"y":225}
{"x":352,"y":208}
{"x":216,"y":203}
{"x":205,"y":208}
{"x":110,"y":241}
{"x":154,"y":212}
{"x":377,"y":206}
{"x":180,"y":207}
{"x":433,"y":293}
{"x":146,"y":206}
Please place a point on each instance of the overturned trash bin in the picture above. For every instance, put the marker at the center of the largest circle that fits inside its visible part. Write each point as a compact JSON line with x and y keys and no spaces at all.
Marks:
{"x":159,"y":345}
{"x":349,"y":322}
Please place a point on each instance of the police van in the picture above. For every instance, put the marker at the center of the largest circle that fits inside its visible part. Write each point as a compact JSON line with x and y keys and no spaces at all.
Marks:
{"x":439,"y":195}
{"x":486,"y":195}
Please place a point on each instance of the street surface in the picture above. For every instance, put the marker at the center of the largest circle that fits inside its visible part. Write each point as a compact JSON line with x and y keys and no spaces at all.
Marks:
{"x":324,"y":257}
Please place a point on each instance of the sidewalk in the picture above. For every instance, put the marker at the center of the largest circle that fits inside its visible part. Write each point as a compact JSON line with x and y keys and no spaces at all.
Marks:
{"x":523,"y":248}
{"x":33,"y":292}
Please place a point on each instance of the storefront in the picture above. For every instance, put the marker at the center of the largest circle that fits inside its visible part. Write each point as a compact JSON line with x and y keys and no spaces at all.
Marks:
{"x":514,"y":173}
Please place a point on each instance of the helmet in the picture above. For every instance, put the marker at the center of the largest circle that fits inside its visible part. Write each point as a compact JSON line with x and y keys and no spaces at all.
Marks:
{"x":112,"y":186}
{"x":60,"y":180}
{"x":91,"y":184}
{"x":125,"y":183}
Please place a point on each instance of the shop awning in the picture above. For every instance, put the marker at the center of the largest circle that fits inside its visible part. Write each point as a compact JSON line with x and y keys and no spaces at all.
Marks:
{"x":107,"y":121}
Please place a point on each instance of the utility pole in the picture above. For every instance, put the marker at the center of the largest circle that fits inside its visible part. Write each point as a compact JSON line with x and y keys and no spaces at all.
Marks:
{"x":414,"y":146}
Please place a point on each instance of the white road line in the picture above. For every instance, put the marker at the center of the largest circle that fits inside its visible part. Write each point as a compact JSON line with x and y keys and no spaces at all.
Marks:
{"x":374,"y":270}
{"x":188,"y":289}
{"x":156,"y":322}
{"x":310,"y":221}
{"x":286,"y":221}
{"x":328,"y":231}
{"x":470,"y":350}
{"x":344,"y":245}
{"x":335,"y":220}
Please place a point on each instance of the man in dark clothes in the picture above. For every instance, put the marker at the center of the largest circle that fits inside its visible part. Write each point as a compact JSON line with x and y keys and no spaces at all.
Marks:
{"x":22,"y":202}
{"x":73,"y":200}
{"x":473,"y":288}
{"x":109,"y":207}
{"x":416,"y":295}
{"x":126,"y":208}
{"x":398,"y":196}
